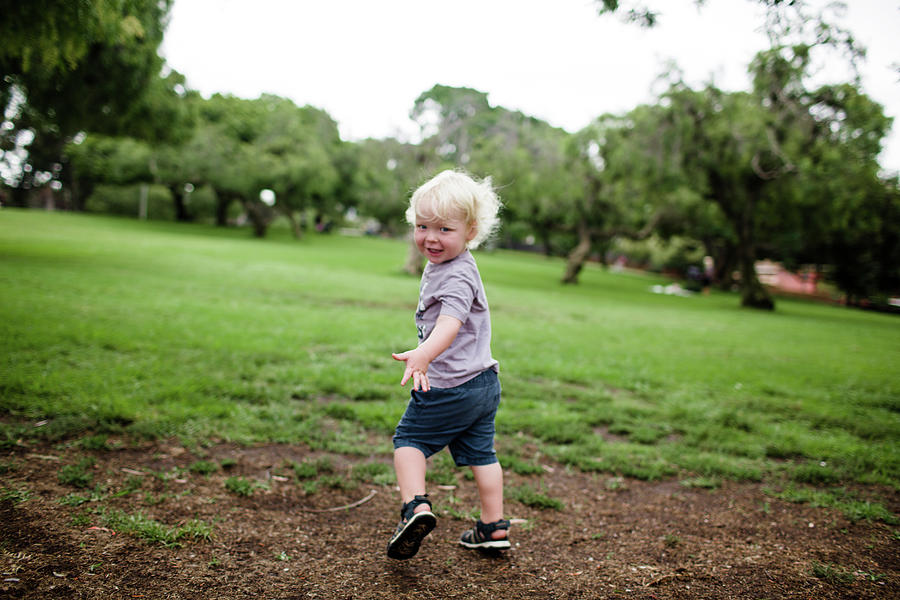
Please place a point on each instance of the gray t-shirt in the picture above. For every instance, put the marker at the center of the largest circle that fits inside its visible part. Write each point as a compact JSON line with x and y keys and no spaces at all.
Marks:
{"x":454,"y":288}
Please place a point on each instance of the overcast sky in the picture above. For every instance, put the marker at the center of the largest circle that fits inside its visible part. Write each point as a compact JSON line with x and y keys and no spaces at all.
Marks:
{"x":365,"y":62}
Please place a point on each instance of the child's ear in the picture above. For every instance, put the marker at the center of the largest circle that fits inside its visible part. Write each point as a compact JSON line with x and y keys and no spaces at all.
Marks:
{"x":473,"y":231}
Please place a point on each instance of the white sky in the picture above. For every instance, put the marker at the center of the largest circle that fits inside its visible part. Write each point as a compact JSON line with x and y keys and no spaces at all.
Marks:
{"x":366,"y":61}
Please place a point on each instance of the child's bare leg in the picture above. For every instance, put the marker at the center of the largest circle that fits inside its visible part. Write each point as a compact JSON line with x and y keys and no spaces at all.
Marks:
{"x":489,"y":479}
{"x":409,"y":464}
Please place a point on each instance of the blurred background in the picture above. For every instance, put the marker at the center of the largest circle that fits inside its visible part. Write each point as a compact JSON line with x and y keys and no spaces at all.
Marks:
{"x":745,"y":145}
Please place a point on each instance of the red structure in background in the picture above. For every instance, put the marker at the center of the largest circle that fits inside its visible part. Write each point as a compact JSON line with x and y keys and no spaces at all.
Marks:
{"x":774,"y":275}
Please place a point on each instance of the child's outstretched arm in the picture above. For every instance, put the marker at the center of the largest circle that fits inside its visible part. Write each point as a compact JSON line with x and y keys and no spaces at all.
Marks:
{"x":417,"y":360}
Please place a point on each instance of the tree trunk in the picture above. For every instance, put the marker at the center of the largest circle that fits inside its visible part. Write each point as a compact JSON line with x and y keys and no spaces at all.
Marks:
{"x":724,"y":263}
{"x":295,"y":224}
{"x":222,"y":203}
{"x":258,"y":217}
{"x":143,"y":208}
{"x":544,"y":236}
{"x":414,"y":262}
{"x":753,"y":293}
{"x":81,"y":190}
{"x":19,"y":196}
{"x":181,"y":213}
{"x":579,"y":255}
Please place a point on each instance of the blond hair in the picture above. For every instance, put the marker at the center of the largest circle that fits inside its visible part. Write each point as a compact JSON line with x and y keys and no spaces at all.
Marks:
{"x":452,"y":194}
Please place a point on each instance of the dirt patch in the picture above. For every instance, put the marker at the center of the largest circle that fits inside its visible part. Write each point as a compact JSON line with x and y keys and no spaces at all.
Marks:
{"x":615,"y":538}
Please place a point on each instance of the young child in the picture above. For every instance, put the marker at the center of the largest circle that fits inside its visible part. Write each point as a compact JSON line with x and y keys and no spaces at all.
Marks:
{"x":455,"y":388}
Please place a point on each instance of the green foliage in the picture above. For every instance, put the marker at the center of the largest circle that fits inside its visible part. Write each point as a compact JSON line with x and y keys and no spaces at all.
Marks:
{"x":77,"y":475}
{"x":381,"y":176}
{"x":834,"y":574}
{"x":203,"y":467}
{"x":14,"y":495}
{"x":94,"y":442}
{"x":708,"y":483}
{"x":312,"y":468}
{"x":242,"y":486}
{"x":520,"y":466}
{"x":378,"y":473}
{"x":150,"y":530}
{"x":338,"y":482}
{"x":97,"y":494}
{"x":60,"y":38}
{"x":81,"y":519}
{"x":240,"y":147}
{"x":441,"y":470}
{"x":132,"y":485}
{"x":126,"y":201}
{"x":847,"y":502}
{"x":83,"y":67}
{"x":529,"y":496}
{"x":816,"y":474}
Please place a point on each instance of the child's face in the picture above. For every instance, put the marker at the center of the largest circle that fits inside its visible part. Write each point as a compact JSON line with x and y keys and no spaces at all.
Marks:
{"x":440,"y":240}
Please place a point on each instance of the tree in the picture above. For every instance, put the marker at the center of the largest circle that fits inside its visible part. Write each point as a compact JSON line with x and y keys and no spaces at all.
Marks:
{"x":845,"y":220}
{"x":382,"y":178}
{"x":727,"y":149}
{"x":298,"y":149}
{"x":785,"y":165}
{"x":864,"y":245}
{"x":241,"y":147}
{"x":71,"y":67}
{"x":221,"y":154}
{"x":643,"y":15}
{"x":450,"y":120}
{"x":757,"y":155}
{"x":524,"y":156}
{"x":629,"y":182}
{"x":527,"y":160}
{"x":99,"y":159}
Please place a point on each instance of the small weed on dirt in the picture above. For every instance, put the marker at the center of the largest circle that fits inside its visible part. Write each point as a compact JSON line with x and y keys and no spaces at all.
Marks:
{"x":242,"y":486}
{"x":203,"y":467}
{"x":833,"y":574}
{"x":143,"y":527}
{"x":529,"y":496}
{"x":77,"y":475}
{"x":14,"y":495}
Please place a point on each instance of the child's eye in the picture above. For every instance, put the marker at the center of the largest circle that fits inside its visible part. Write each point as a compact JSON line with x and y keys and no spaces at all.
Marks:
{"x":446,"y":229}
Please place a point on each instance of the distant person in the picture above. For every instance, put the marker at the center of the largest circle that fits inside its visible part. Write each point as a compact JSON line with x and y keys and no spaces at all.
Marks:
{"x":709,"y":272}
{"x":455,"y":386}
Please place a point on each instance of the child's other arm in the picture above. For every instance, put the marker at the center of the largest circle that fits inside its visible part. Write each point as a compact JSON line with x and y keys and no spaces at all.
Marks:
{"x":417,"y":361}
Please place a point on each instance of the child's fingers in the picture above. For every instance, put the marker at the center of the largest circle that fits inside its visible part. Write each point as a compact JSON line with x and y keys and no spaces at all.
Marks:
{"x":401,"y":356}
{"x":420,"y":381}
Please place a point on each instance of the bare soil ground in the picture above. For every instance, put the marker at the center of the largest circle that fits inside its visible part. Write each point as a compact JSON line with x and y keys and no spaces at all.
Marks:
{"x":638,"y":540}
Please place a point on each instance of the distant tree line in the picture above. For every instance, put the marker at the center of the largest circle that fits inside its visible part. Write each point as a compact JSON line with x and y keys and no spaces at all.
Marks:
{"x":785,"y":170}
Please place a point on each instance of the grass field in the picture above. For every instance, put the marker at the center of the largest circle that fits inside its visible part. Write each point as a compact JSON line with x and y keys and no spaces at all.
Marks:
{"x":113,"y":326}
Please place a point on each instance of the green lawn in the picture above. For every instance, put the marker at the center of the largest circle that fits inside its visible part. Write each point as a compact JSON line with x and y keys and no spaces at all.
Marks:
{"x":153,"y":329}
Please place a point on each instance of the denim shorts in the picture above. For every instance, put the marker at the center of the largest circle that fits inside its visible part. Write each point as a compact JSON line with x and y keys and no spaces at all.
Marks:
{"x":461,"y":418}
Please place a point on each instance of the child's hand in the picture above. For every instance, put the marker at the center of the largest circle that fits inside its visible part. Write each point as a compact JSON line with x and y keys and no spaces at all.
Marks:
{"x":417,"y":361}
{"x":416,"y":368}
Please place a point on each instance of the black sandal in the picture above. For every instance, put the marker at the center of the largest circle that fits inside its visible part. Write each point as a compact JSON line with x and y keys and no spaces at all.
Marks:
{"x":480,"y":536}
{"x":413,"y":528}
